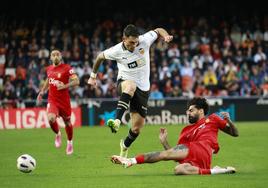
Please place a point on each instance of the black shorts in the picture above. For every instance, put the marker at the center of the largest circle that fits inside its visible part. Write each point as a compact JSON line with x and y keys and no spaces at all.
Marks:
{"x":138,"y":102}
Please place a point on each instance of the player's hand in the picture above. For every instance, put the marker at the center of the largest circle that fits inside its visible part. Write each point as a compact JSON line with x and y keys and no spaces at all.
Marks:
{"x":92,"y":81}
{"x":60,"y":85}
{"x":163,"y":135}
{"x":168,"y":38}
{"x":39,"y":98}
{"x":225,"y":115}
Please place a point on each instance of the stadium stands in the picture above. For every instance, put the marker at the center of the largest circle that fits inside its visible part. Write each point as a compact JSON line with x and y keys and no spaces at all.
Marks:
{"x":209,"y":56}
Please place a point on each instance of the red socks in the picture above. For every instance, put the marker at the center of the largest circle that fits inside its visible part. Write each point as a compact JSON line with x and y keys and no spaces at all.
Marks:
{"x":203,"y":171}
{"x":139,"y":159}
{"x":69,"y":131}
{"x":54,"y":126}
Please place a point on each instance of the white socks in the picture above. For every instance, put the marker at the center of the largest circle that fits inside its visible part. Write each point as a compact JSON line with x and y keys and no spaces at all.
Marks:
{"x":218,"y":170}
{"x":69,"y":141}
{"x":133,"y":160}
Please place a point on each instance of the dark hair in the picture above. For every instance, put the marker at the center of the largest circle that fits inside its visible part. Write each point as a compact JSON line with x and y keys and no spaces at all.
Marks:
{"x":55,"y":49}
{"x":199,"y":103}
{"x":131,"y":30}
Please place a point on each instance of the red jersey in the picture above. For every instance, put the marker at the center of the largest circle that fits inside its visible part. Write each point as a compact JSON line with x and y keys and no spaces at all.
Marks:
{"x":56,"y":74}
{"x":205,"y":131}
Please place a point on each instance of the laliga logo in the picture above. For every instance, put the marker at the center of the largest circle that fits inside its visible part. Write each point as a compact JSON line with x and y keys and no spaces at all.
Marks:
{"x":54,"y":82}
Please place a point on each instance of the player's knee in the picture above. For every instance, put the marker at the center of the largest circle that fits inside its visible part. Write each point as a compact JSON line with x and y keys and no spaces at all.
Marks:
{"x":68,"y":123}
{"x":51,"y":119}
{"x":136,"y":130}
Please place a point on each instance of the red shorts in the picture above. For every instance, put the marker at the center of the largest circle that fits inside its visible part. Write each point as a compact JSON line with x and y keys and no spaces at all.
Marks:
{"x":200,"y":155}
{"x":64,"y":112}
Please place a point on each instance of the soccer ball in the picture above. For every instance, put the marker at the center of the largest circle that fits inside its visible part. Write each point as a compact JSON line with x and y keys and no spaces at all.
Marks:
{"x":26,"y":163}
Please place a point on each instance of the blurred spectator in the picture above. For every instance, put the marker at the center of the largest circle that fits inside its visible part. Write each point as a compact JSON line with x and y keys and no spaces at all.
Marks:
{"x":210,"y":77}
{"x":264,"y":87}
{"x":259,"y":56}
{"x":155,"y":93}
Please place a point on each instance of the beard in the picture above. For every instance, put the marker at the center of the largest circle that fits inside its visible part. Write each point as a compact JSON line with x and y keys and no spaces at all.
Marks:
{"x":193,"y":119}
{"x":131,"y":49}
{"x":56,"y":61}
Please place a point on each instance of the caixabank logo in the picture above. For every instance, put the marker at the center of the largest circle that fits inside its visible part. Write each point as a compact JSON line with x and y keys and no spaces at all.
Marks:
{"x":163,"y":117}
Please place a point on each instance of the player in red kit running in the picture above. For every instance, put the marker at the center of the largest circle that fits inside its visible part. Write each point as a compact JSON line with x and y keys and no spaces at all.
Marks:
{"x":196,"y":144}
{"x":60,"y":77}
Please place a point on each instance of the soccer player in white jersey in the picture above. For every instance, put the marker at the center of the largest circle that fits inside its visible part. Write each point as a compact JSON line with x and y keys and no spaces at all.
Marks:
{"x":133,"y":61}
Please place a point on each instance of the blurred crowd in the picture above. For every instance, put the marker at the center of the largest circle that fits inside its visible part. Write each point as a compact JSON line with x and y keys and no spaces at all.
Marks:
{"x":208,"y":57}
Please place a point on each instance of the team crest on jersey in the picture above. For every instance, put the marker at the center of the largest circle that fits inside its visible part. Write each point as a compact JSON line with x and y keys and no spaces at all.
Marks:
{"x":71,"y":71}
{"x":207,"y":120}
{"x":141,"y":50}
{"x":59,"y":75}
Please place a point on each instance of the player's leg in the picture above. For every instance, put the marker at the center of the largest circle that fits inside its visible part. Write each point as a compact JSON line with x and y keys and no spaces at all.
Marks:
{"x":52,"y":113}
{"x":138,"y":109}
{"x":69,"y":132}
{"x":65,"y":113}
{"x":176,"y":153}
{"x":188,"y":169}
{"x":52,"y":122}
{"x":137,"y":122}
{"x":198,"y":161}
{"x":126,"y":90}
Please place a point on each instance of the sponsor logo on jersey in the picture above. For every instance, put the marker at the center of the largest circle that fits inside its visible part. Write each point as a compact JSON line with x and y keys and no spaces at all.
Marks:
{"x":71,"y":71}
{"x":132,"y":65}
{"x":59,"y":75}
{"x":54,"y":82}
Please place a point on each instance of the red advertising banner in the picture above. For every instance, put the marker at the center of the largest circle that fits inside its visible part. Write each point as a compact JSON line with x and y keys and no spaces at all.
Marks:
{"x":29,"y":118}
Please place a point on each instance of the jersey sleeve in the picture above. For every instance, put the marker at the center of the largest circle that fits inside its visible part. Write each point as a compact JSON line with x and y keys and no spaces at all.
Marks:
{"x":149,"y":37}
{"x":110,"y":53}
{"x":221,"y":123}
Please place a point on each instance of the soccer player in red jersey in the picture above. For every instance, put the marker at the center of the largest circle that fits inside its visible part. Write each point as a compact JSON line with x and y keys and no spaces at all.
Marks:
{"x":197,"y":142}
{"x":60,"y":77}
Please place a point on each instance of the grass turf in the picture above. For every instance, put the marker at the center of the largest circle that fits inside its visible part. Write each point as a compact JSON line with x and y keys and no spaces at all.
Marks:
{"x":90,"y":166}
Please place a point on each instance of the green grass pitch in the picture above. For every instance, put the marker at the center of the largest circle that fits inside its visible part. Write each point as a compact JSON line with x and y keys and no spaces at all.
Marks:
{"x":90,"y":166}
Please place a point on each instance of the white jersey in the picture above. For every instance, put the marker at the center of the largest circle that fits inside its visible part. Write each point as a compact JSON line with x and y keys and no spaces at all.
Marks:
{"x":134,"y":65}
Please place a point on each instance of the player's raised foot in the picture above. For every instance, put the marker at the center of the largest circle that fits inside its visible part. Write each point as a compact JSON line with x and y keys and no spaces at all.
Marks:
{"x":58,"y":140}
{"x":69,"y":148}
{"x":125,"y":162}
{"x":123,"y":149}
{"x":114,"y":125}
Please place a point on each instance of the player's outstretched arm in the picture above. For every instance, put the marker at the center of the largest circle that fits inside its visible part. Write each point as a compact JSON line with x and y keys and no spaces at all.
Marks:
{"x":164,"y":34}
{"x":74,"y":81}
{"x":42,"y":92}
{"x":92,"y":80}
{"x":163,"y":138}
{"x":230,"y":128}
